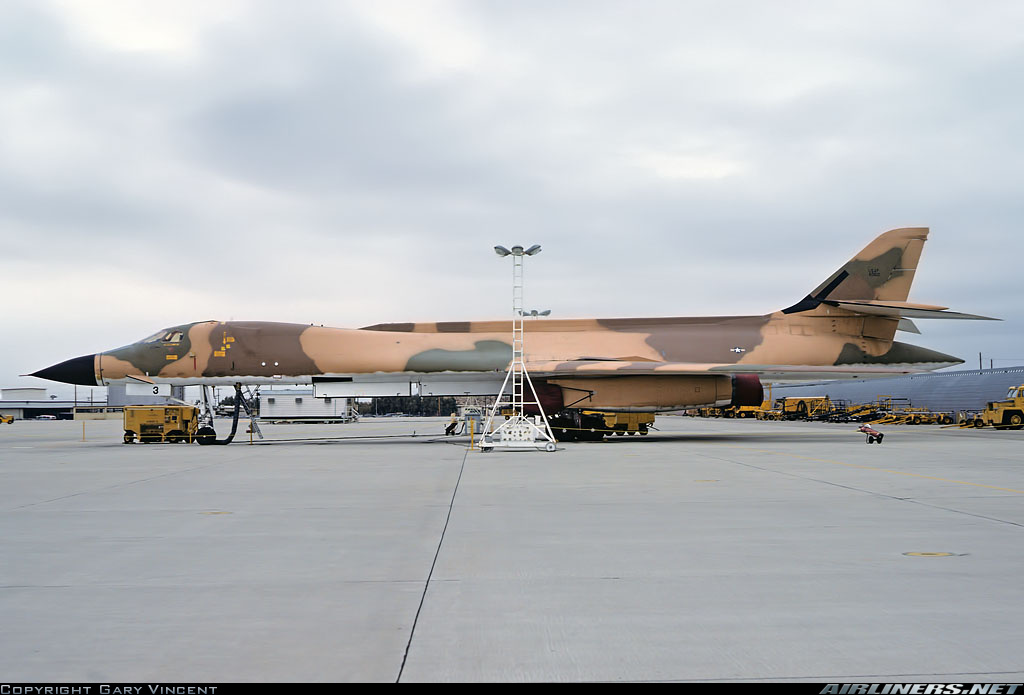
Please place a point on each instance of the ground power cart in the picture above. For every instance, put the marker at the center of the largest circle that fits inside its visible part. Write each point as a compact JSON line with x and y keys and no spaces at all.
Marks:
{"x":165,"y":423}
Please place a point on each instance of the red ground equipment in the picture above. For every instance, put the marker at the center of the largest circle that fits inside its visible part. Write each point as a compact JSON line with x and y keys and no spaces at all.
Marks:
{"x":873,"y":435}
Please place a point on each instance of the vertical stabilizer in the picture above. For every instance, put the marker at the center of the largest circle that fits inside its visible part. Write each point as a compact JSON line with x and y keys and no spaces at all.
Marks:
{"x":882,"y":271}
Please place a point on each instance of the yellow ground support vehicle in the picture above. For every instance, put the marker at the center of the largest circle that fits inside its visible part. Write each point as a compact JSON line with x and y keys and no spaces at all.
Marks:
{"x":1006,"y":414}
{"x":625,"y":423}
{"x":7,"y":419}
{"x":892,"y":410}
{"x":923,"y":416}
{"x":164,"y":423}
{"x":804,"y":407}
{"x":742,"y":411}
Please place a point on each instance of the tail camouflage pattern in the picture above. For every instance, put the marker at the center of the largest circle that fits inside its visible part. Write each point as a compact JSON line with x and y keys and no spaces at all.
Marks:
{"x":882,"y":271}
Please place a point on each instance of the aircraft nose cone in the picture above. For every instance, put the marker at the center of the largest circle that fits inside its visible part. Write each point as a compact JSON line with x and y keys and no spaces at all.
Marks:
{"x":80,"y":370}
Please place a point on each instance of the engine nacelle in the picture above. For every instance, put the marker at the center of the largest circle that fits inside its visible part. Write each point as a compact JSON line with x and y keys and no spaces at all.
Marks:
{"x":550,"y":397}
{"x":747,"y":390}
{"x":653,"y":392}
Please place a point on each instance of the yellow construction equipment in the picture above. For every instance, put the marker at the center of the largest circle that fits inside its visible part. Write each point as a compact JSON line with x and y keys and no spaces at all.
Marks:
{"x":7,"y":419}
{"x":1007,"y":414}
{"x":164,"y":423}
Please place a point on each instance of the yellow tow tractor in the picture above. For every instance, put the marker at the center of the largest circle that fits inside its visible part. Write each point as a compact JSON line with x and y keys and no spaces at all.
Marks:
{"x":7,"y":419}
{"x":743,"y":411}
{"x":1007,"y":414}
{"x":164,"y":423}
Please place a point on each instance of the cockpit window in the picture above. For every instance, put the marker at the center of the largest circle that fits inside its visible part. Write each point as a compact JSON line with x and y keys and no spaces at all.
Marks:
{"x":166,"y":337}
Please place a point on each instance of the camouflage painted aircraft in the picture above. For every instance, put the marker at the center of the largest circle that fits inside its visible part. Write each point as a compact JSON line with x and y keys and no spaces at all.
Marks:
{"x":843,"y":328}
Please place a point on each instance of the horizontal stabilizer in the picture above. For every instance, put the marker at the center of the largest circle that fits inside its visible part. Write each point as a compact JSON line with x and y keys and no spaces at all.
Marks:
{"x":903,"y":310}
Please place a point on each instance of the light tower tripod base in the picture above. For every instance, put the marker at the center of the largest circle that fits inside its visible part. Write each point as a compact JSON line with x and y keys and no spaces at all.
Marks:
{"x":519,"y":432}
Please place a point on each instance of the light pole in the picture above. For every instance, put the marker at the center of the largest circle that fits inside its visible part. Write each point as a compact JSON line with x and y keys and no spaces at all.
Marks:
{"x":518,"y":431}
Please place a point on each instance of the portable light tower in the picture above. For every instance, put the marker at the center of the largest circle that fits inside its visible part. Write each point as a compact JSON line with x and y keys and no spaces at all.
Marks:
{"x":519,"y":431}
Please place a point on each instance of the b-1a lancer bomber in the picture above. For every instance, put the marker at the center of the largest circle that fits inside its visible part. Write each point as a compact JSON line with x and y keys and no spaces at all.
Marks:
{"x":843,"y":328}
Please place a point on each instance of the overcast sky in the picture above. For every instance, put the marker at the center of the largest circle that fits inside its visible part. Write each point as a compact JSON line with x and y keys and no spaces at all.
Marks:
{"x":349,"y":163}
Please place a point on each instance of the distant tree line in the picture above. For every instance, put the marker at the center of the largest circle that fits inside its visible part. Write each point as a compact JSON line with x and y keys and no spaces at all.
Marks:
{"x":410,"y":405}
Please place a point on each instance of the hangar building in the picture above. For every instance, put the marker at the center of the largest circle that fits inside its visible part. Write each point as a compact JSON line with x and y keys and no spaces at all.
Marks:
{"x":947,"y":392}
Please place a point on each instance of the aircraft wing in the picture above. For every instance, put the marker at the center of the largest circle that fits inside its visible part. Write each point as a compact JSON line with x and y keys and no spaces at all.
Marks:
{"x":613,"y":368}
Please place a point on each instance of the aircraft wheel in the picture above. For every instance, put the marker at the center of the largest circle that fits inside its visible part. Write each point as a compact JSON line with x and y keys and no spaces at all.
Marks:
{"x":206,"y":435}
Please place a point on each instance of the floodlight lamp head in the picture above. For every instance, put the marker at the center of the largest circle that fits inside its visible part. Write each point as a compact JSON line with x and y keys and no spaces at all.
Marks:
{"x":501,"y":251}
{"x":517,"y":250}
{"x":546,"y":312}
{"x":533,"y":250}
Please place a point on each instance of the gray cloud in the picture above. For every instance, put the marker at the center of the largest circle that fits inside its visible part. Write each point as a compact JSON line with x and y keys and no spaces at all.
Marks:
{"x":359,"y":164}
